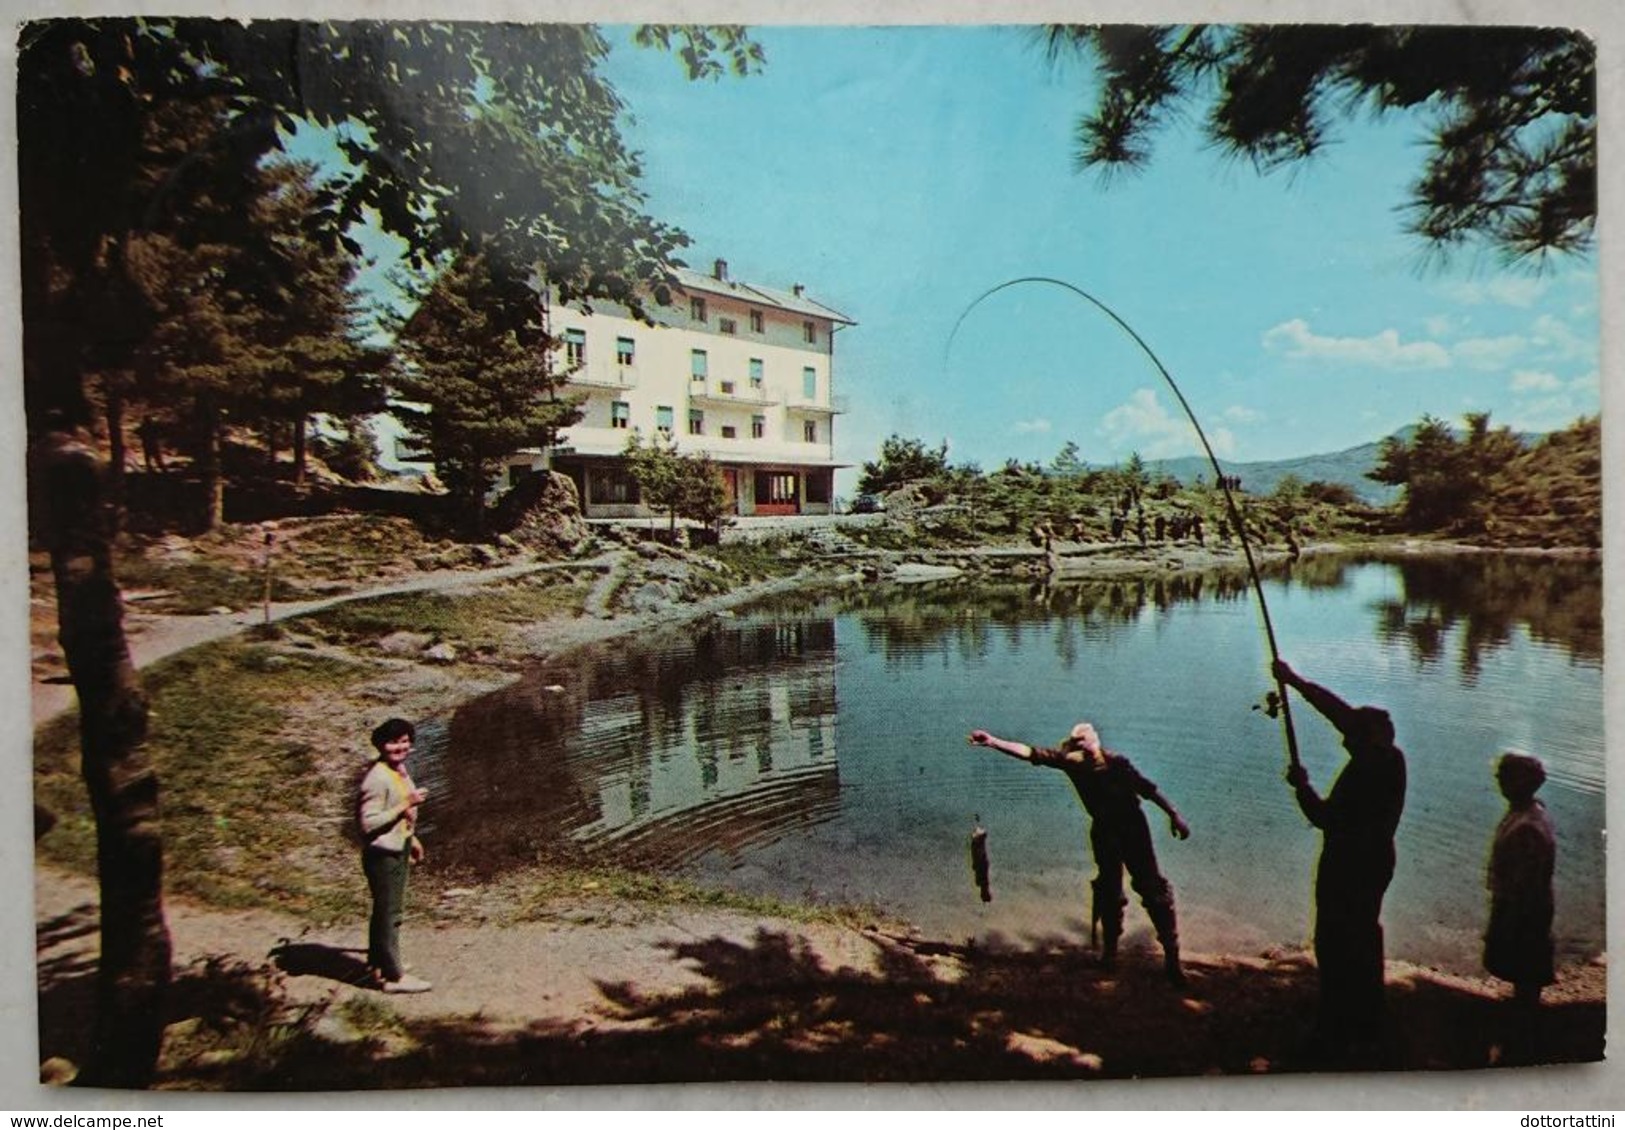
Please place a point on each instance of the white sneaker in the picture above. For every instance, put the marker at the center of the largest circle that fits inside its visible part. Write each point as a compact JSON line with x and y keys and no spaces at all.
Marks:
{"x":407,"y":984}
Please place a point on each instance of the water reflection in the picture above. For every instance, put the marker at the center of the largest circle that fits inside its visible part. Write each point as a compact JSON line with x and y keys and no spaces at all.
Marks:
{"x":1489,"y":598}
{"x":726,"y":753}
{"x":718,"y":738}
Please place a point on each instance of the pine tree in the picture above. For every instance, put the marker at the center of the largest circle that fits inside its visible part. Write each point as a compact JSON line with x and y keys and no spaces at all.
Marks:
{"x":475,"y":386}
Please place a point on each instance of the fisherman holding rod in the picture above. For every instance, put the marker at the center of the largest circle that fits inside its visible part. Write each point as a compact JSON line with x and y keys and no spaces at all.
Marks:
{"x":1110,"y":789}
{"x":1357,"y":820}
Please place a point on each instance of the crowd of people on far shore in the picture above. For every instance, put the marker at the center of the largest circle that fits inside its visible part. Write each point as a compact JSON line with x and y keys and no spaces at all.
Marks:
{"x":1127,"y":521}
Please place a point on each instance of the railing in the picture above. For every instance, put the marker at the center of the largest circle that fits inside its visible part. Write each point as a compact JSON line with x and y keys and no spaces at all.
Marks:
{"x":604,"y":376}
{"x":834,"y":405}
{"x":714,"y":392}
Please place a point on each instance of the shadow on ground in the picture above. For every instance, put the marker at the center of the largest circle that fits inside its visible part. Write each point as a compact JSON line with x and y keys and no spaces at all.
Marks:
{"x":770,"y":1009}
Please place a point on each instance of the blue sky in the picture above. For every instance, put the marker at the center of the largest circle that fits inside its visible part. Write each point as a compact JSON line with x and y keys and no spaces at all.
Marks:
{"x":901,"y":172}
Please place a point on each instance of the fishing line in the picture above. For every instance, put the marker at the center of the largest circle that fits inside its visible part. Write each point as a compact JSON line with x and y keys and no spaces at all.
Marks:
{"x":1220,"y":477}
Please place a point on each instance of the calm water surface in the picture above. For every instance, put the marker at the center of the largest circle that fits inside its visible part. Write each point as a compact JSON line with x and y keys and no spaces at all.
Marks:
{"x":816,"y":748}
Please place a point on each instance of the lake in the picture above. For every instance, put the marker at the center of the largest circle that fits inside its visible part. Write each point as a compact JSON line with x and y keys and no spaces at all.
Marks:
{"x":815,"y":748}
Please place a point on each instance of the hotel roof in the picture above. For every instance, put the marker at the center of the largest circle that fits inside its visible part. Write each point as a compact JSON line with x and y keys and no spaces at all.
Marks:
{"x":794,"y":301}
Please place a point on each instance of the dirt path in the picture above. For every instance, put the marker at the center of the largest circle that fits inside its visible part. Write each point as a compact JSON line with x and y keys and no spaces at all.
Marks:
{"x":152,"y":637}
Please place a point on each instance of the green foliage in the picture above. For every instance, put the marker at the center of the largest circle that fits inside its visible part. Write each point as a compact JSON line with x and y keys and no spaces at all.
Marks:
{"x":479,"y":379}
{"x":683,"y":484}
{"x":758,"y":559}
{"x":497,"y":139}
{"x":238,"y":790}
{"x":1331,"y":494}
{"x":353,"y":453}
{"x":442,"y":615}
{"x":1446,"y":478}
{"x":1511,"y":157}
{"x":1067,"y":461}
{"x":1550,"y":495}
{"x":902,"y":461}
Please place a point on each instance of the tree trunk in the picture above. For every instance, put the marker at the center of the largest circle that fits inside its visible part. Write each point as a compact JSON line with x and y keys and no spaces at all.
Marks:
{"x":214,"y":483}
{"x":299,"y":425}
{"x":113,"y":408}
{"x":134,"y":972}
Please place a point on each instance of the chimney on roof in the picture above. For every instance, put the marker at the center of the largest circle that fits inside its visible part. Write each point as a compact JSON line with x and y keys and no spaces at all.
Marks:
{"x":801,"y":291}
{"x":720,"y":270}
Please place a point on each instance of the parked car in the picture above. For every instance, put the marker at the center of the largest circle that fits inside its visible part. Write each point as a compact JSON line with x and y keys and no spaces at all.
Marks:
{"x":866,"y":504}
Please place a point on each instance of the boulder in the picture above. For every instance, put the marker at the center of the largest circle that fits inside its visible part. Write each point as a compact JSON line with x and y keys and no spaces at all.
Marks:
{"x":404,"y":643}
{"x":543,"y":514}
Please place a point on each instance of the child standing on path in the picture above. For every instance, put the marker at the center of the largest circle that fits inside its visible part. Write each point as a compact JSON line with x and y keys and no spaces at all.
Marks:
{"x":387,"y":812}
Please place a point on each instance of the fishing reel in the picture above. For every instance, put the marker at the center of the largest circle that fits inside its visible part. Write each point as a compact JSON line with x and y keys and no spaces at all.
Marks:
{"x":1271,"y":704}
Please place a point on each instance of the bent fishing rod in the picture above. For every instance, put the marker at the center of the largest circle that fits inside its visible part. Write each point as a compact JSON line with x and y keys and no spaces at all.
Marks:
{"x":1219,"y":476}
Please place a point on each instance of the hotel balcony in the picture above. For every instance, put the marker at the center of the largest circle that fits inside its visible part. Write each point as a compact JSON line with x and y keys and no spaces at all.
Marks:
{"x":608,"y":375}
{"x":835,"y":406}
{"x":730,"y":394}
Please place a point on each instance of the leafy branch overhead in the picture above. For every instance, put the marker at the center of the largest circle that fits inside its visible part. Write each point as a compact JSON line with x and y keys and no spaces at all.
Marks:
{"x":1511,"y":155}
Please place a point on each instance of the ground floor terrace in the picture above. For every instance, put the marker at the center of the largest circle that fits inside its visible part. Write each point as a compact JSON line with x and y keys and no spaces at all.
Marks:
{"x":754,"y":489}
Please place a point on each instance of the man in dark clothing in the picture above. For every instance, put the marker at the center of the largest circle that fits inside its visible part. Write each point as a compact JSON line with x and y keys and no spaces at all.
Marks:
{"x":1111,"y":788}
{"x":1357,"y":820}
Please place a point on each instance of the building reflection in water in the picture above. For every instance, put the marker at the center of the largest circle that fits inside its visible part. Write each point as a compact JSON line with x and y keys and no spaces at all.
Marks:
{"x":720,"y":738}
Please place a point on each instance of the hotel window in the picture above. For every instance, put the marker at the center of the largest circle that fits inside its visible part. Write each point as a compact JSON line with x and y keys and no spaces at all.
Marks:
{"x":809,"y":430}
{"x":612,"y":486}
{"x":756,"y":372}
{"x":696,"y":308}
{"x":758,"y":427}
{"x":729,"y":431}
{"x":774,"y":487}
{"x":727,"y":387}
{"x":809,"y":333}
{"x":809,"y":383}
{"x":696,"y":422}
{"x":727,"y":325}
{"x":663,"y":419}
{"x":697,"y":365}
{"x":575,"y":346}
{"x":755,"y":321}
{"x":620,"y":414}
{"x":624,"y":351}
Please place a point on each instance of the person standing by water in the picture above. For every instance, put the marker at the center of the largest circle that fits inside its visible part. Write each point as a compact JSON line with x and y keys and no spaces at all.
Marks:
{"x":1523,"y":857}
{"x":387,"y":812}
{"x":1357,"y":820}
{"x":1110,"y":789}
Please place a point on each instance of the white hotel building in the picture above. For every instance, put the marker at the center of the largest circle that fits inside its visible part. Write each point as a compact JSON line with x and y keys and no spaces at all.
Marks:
{"x":739,"y":372}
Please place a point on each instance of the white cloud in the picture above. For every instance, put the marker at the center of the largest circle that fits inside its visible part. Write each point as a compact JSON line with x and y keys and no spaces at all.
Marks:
{"x":1530,"y":380}
{"x":1505,"y":290}
{"x":1143,"y":424}
{"x":1030,"y":427}
{"x":1550,"y":402}
{"x":1548,"y":413}
{"x":1561,"y":341}
{"x":1382,"y":350}
{"x":1241,"y":414}
{"x":1489,"y":352}
{"x":1442,"y":325}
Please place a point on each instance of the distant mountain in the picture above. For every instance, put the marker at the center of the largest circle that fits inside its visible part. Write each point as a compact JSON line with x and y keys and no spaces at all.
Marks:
{"x":1347,"y":467}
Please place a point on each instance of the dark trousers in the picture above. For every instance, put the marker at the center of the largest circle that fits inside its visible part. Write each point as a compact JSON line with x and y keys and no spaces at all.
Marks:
{"x":1129,"y":847}
{"x":386,"y":879}
{"x":1348,"y":950}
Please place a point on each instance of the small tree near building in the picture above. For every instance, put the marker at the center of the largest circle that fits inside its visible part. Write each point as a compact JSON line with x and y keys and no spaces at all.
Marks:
{"x":682,"y":485}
